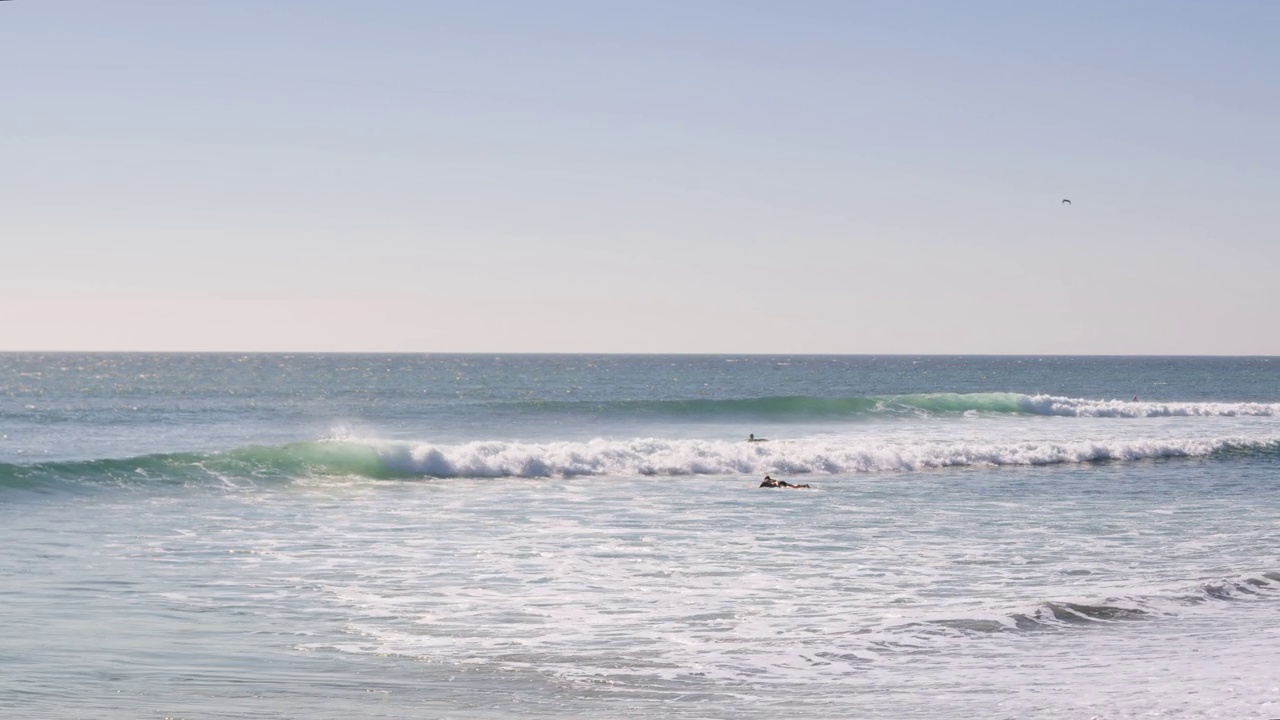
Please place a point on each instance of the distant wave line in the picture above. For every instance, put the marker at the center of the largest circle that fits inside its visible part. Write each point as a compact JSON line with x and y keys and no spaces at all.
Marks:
{"x":801,"y":407}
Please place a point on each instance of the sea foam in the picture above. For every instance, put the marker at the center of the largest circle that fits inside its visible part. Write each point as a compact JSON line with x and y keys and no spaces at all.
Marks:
{"x":801,"y":407}
{"x":637,"y":457}
{"x":650,"y":456}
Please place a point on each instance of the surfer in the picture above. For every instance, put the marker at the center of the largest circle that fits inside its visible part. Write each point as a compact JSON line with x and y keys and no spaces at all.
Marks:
{"x":771,"y":483}
{"x":752,"y":438}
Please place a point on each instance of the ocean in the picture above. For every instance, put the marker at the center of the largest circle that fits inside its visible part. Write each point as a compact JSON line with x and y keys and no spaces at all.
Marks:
{"x":575,"y":536}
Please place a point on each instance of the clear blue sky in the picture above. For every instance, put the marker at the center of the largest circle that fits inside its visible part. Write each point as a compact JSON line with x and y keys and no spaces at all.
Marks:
{"x":696,"y":176}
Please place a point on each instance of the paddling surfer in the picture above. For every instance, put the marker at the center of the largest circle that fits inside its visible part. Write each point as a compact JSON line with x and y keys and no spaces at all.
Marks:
{"x":771,"y":483}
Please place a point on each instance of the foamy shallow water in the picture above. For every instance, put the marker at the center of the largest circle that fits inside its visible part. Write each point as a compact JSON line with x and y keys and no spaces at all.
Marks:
{"x":1148,"y":590}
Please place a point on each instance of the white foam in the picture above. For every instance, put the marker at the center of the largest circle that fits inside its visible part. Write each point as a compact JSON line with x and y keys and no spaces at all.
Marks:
{"x":675,"y":457}
{"x":1078,"y":407}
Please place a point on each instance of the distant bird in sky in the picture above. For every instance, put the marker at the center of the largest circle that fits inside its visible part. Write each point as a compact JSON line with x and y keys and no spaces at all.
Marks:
{"x":1066,"y":201}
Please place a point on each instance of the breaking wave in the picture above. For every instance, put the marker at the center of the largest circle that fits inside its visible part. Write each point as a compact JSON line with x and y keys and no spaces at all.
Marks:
{"x":805,"y":407}
{"x":620,"y":458}
{"x":1074,"y":407}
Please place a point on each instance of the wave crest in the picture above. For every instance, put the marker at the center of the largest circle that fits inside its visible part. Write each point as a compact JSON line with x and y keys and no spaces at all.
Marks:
{"x":1076,"y":407}
{"x":619,"y":458}
{"x":799,"y":407}
{"x":643,"y":457}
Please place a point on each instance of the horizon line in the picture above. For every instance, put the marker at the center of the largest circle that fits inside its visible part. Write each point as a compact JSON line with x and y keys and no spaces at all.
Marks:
{"x":633,"y":354}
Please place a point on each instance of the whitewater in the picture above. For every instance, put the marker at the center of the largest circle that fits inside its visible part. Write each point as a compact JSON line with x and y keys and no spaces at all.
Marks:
{"x":272,"y":536}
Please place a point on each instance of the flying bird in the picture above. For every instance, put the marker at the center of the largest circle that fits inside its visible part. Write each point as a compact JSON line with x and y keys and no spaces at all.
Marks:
{"x":1066,"y":201}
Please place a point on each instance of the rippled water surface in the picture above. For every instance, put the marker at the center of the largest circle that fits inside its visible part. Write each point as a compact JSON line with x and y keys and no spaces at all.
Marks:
{"x":956,"y":556}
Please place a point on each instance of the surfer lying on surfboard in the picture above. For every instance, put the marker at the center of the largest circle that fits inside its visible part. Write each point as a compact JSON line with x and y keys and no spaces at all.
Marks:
{"x":771,"y":483}
{"x":752,"y":438}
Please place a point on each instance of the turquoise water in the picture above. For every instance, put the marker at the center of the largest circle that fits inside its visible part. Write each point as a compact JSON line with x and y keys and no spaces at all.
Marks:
{"x":272,"y":536}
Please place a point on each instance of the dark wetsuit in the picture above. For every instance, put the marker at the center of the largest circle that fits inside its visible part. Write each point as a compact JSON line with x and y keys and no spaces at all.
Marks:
{"x":771,"y":483}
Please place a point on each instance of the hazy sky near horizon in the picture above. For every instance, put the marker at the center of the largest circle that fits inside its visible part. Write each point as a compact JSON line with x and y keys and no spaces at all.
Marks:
{"x":696,"y":176}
